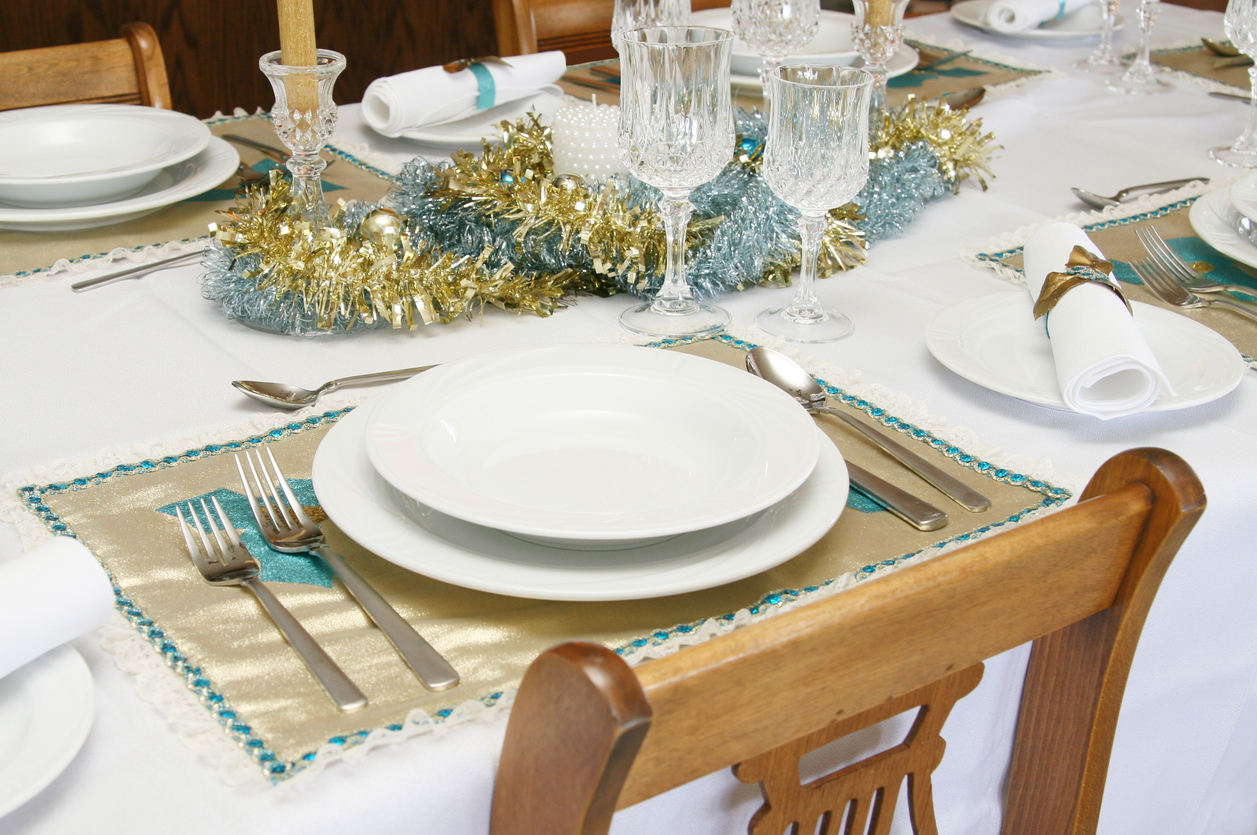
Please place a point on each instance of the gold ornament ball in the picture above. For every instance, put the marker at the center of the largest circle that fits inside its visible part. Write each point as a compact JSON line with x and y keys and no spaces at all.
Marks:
{"x":382,"y":227}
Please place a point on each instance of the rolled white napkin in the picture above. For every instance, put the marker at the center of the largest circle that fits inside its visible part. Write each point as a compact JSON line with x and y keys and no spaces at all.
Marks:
{"x":1103,"y":364}
{"x":1020,"y":15}
{"x":432,"y":96}
{"x":49,"y":595}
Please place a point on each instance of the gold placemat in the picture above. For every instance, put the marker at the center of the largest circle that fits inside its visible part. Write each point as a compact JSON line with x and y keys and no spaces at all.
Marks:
{"x":949,"y":71}
{"x":23,"y":253}
{"x":1199,"y":62}
{"x":1117,"y":240}
{"x":234,"y":659}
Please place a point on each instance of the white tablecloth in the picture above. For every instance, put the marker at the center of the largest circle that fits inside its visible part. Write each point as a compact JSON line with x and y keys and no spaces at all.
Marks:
{"x":150,"y":360}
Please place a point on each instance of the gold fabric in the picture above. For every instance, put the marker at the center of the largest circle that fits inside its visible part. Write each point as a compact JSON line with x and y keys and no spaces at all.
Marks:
{"x":24,"y":252}
{"x":490,"y":639}
{"x":1095,"y":271}
{"x":1118,"y":243}
{"x":1199,"y":61}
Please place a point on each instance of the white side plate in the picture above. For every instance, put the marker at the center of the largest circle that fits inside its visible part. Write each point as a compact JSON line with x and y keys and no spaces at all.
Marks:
{"x":1079,"y":23}
{"x":46,"y":711}
{"x":178,"y":182}
{"x":832,"y":44}
{"x":1211,"y":217}
{"x":994,"y":341}
{"x":418,"y":539}
{"x":900,"y":63}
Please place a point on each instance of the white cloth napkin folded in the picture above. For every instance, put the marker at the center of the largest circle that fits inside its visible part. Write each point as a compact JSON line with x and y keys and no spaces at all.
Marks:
{"x":49,"y":595}
{"x":1103,"y":364}
{"x":432,"y":96}
{"x":1020,"y":15}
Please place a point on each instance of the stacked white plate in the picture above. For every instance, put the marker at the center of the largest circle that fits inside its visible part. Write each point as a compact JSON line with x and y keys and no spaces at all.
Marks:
{"x":83,"y":165}
{"x":582,"y":473}
{"x":1219,"y":216}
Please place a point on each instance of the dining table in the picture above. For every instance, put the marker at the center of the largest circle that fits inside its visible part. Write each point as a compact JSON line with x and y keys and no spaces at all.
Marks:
{"x":129,"y":371}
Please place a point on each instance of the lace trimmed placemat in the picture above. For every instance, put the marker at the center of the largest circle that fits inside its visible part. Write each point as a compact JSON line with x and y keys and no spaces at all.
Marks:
{"x":230,"y":676}
{"x":1113,"y":230}
{"x":1193,"y":62}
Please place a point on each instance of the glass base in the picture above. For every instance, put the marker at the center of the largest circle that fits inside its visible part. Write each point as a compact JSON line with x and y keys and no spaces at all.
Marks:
{"x":1145,"y":86}
{"x":830,"y":328}
{"x":1112,"y":67}
{"x":703,"y":320}
{"x":1234,"y":158}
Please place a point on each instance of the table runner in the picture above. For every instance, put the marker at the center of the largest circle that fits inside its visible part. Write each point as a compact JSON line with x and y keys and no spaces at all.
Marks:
{"x":26,"y":256}
{"x":1198,"y":64}
{"x":251,"y":684}
{"x":1113,"y":230}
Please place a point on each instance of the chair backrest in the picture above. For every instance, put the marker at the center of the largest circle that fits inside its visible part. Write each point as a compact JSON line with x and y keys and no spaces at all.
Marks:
{"x":581,"y":28}
{"x":128,"y":70}
{"x":588,"y":734}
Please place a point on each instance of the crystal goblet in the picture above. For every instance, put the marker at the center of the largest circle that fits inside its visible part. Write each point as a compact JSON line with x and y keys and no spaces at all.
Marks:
{"x":878,"y":36}
{"x":774,"y":29}
{"x":676,"y":133}
{"x":1140,"y":78}
{"x":304,"y":117}
{"x":1104,"y":60}
{"x":637,"y":14}
{"x":816,"y":159}
{"x":1240,"y":24}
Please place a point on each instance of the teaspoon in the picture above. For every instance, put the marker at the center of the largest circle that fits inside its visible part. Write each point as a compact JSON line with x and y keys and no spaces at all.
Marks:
{"x":1098,"y":202}
{"x":789,"y":376}
{"x":287,"y":396}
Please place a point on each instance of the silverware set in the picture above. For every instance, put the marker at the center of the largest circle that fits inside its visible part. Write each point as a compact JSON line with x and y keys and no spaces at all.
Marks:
{"x":220,"y":556}
{"x":1173,"y":280}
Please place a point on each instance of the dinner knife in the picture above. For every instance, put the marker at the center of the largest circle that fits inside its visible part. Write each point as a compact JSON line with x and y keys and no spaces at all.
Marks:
{"x":137,"y":271}
{"x":916,"y":512}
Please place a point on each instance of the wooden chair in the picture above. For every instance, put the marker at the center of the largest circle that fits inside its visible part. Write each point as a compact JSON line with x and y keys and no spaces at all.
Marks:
{"x":588,"y":734}
{"x":128,"y":70}
{"x":581,"y":28}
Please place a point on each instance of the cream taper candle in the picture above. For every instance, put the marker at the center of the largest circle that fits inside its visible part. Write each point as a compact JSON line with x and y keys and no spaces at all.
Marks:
{"x":296,"y":41}
{"x":879,"y":13}
{"x":586,"y":141}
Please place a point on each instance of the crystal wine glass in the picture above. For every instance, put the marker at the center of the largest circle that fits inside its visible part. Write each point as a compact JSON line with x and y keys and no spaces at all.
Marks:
{"x":1104,"y":60}
{"x":774,"y":29}
{"x":1140,"y":78}
{"x":878,"y":34}
{"x":676,"y":133}
{"x":816,"y":159}
{"x":304,"y":116}
{"x":1240,"y":24}
{"x":636,"y":14}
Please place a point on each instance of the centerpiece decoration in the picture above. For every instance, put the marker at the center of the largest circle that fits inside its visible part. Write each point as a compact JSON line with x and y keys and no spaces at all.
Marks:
{"x":505,"y":229}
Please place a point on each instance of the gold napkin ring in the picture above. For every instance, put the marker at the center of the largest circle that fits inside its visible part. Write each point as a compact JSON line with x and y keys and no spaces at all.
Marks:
{"x":1083,"y":267}
{"x":464,"y":63}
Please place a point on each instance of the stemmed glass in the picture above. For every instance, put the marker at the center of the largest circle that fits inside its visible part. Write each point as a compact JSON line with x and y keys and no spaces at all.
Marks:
{"x":1240,"y":24}
{"x":676,"y":133}
{"x":1105,"y":59}
{"x":1140,"y":78}
{"x":636,"y":14}
{"x":774,"y":29}
{"x":878,"y":34}
{"x":816,"y":159}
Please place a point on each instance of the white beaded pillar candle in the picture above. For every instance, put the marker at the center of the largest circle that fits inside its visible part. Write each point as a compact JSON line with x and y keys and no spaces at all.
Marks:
{"x":586,"y":141}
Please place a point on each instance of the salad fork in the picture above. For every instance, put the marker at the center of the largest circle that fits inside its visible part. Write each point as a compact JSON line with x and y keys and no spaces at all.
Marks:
{"x":224,"y":561}
{"x":1170,"y":291}
{"x":289,"y":529}
{"x":1180,"y":270}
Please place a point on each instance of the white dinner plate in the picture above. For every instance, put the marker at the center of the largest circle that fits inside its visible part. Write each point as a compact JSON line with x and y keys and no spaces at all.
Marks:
{"x":900,"y":63}
{"x":178,"y":182}
{"x":1213,"y":218}
{"x":375,"y":515}
{"x":479,"y":126}
{"x":995,"y":342}
{"x":1079,"y":23}
{"x":80,"y":154}
{"x":46,"y":710}
{"x":1244,"y":195}
{"x":606,"y":442}
{"x":832,"y":44}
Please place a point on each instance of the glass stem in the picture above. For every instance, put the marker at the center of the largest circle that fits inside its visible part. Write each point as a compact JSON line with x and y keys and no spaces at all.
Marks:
{"x":307,"y":188}
{"x":674,"y":297}
{"x":1247,"y":143}
{"x":877,"y":101}
{"x":1104,"y":52}
{"x":1142,"y":65}
{"x":806,"y":307}
{"x":768,"y":65}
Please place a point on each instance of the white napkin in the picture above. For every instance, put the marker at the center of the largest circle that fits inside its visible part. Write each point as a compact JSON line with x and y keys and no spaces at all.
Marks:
{"x":1020,"y":15}
{"x":52,"y":593}
{"x":432,"y":96}
{"x":1103,"y":364}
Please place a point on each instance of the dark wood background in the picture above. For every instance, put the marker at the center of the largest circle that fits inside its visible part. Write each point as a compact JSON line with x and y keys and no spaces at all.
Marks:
{"x":212,"y":46}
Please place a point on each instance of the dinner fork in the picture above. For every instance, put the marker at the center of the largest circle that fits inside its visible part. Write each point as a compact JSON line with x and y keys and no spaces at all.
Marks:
{"x":1168,"y":290}
{"x":289,"y":529}
{"x":224,"y":561}
{"x":1180,"y":270}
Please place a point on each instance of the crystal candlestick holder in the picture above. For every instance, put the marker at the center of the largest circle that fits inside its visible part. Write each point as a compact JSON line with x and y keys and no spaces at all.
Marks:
{"x":877,"y":38}
{"x":304,"y":117}
{"x":1105,"y":59}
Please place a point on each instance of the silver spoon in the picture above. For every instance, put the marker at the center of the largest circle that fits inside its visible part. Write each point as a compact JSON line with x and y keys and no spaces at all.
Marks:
{"x":967,"y":97}
{"x":287,"y":396}
{"x":789,"y":376}
{"x":1098,"y":202}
